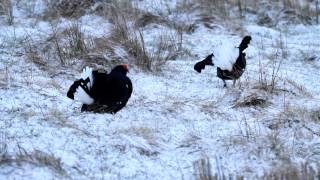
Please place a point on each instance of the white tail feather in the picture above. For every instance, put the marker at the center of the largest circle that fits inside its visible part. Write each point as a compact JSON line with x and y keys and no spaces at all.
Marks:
{"x":87,"y":73}
{"x":225,"y":55}
{"x":80,"y":94}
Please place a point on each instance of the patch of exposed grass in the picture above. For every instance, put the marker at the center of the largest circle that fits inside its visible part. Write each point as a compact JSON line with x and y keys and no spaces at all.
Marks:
{"x":6,"y":9}
{"x":37,"y":158}
{"x":133,"y":41}
{"x":252,"y":100}
{"x":315,"y":115}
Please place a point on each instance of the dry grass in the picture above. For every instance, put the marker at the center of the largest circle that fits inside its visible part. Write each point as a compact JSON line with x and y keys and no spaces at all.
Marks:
{"x":36,"y":158}
{"x":32,"y":53}
{"x":3,"y":142}
{"x":315,"y":115}
{"x":215,"y":6}
{"x":140,"y":132}
{"x":58,"y":118}
{"x":281,"y":152}
{"x":289,"y":87}
{"x":67,"y":9}
{"x":128,"y":33}
{"x":202,"y":169}
{"x":71,"y":45}
{"x":5,"y":78}
{"x":6,"y":9}
{"x":299,"y":87}
{"x":282,"y":171}
{"x":67,"y":46}
{"x":145,"y":19}
{"x":296,"y":117}
{"x":290,"y":116}
{"x":75,"y":45}
{"x":268,"y":81}
{"x":37,"y":52}
{"x":288,"y":10}
{"x":60,"y":48}
{"x":290,"y":171}
{"x":166,"y":49}
{"x":144,"y":132}
{"x":252,"y":100}
{"x":282,"y":11}
{"x":133,"y":41}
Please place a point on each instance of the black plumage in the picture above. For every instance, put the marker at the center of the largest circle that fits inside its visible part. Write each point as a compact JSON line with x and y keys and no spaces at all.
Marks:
{"x":110,"y":92}
{"x":199,"y":66}
{"x":237,"y":68}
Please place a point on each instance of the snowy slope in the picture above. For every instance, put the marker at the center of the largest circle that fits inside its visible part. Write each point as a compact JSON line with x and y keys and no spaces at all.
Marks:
{"x":174,"y":118}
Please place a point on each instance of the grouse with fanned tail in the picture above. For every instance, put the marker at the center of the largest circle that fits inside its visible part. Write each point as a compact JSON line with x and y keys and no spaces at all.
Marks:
{"x":232,"y":61}
{"x":101,"y":92}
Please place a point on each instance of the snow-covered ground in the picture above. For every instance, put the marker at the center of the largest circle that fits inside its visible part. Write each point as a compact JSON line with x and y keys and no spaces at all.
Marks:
{"x":175,"y":120}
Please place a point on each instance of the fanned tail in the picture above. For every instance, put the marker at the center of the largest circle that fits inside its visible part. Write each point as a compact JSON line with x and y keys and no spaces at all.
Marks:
{"x":199,"y":66}
{"x":80,"y":89}
{"x":87,"y":73}
{"x":244,"y":43}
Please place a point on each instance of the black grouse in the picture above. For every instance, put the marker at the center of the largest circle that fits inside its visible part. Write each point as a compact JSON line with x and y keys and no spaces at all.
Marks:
{"x":101,"y":92}
{"x":232,"y":64}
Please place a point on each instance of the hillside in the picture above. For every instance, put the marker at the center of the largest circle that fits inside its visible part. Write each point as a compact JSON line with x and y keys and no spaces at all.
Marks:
{"x":178,"y":124}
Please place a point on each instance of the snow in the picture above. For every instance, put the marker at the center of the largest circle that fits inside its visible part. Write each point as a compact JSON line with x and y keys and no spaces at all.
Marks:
{"x":89,"y":24}
{"x":174,"y":118}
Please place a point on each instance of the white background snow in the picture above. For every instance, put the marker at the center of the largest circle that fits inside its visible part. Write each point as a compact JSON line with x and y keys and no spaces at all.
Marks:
{"x":174,"y":118}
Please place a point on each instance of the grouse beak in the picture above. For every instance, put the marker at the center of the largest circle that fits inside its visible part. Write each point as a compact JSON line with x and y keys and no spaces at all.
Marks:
{"x":126,"y":67}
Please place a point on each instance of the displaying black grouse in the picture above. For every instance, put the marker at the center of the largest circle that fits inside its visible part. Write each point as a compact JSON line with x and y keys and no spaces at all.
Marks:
{"x":233,"y":62}
{"x":101,"y":92}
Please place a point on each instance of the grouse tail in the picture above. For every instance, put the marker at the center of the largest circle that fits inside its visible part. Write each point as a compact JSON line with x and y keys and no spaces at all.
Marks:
{"x":244,"y":43}
{"x":199,"y":66}
{"x":80,"y":89}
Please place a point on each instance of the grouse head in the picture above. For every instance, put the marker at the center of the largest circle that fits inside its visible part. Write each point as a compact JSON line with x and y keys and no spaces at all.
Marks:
{"x":123,"y":69}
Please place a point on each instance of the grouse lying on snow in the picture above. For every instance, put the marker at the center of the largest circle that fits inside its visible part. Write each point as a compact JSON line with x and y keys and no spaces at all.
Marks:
{"x":102,"y":92}
{"x":231,"y":62}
